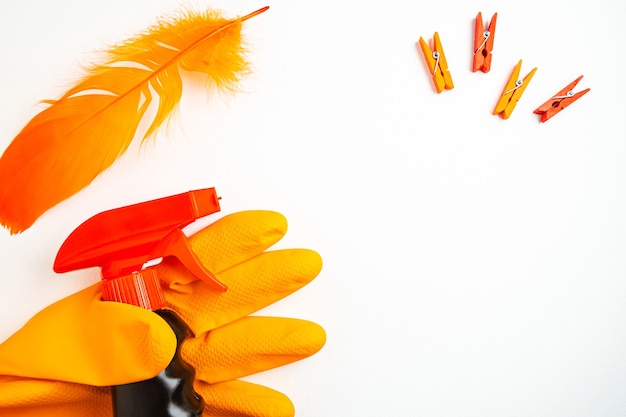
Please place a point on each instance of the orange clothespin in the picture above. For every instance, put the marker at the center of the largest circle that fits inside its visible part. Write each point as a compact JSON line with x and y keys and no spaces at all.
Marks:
{"x":436,"y":60}
{"x":513,"y":91}
{"x":560,"y":100}
{"x":483,"y":43}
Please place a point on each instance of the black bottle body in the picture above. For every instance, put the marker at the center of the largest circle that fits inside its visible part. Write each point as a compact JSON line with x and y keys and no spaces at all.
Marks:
{"x":169,"y":394}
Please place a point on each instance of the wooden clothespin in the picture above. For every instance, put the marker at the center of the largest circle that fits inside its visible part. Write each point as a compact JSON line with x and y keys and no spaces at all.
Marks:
{"x":483,"y":43}
{"x":436,"y":60}
{"x":513,"y":91}
{"x":560,"y":100}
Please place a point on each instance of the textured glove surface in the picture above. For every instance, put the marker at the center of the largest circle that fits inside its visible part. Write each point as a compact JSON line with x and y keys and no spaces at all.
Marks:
{"x":63,"y":360}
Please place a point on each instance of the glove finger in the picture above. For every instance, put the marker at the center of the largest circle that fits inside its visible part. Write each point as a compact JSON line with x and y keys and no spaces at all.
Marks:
{"x":76,"y":340}
{"x":229,"y":241}
{"x":29,"y":397}
{"x":243,"y":399}
{"x":253,"y":285}
{"x":250,"y":345}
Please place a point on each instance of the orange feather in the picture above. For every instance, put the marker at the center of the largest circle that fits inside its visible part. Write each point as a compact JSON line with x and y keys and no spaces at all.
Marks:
{"x":64,"y":147}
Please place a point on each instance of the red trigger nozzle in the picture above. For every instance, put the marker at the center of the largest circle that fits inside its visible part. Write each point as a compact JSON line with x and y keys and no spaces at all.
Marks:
{"x":176,"y":244}
{"x":122,"y":240}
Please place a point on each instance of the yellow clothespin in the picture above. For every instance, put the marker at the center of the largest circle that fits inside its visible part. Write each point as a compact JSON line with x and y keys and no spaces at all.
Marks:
{"x":438,"y":64}
{"x":513,"y":91}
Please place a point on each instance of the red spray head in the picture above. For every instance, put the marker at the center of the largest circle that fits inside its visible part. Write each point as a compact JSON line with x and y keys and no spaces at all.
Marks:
{"x":121,"y":241}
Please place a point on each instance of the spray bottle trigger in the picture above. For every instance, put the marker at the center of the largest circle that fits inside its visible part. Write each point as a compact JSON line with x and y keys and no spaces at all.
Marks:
{"x":176,"y":244}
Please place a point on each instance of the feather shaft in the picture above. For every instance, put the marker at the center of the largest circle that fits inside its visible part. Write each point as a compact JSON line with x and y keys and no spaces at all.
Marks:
{"x":69,"y":143}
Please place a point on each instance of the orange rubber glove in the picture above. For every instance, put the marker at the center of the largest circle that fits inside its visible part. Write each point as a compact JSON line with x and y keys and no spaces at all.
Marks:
{"x":62,"y":362}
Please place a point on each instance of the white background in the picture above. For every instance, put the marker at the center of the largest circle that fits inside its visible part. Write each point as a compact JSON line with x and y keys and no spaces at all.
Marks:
{"x":474,"y":266}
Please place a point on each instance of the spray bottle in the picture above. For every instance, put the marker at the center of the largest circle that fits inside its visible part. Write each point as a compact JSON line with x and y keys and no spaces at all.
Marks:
{"x":124,"y":242}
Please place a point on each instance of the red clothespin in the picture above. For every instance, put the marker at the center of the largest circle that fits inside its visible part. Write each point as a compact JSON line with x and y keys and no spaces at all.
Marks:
{"x":560,"y":100}
{"x":513,"y":91}
{"x":483,"y":43}
{"x":436,"y":60}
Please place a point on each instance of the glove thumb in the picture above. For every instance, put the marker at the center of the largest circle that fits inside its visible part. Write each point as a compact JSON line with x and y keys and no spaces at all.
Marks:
{"x":85,"y":340}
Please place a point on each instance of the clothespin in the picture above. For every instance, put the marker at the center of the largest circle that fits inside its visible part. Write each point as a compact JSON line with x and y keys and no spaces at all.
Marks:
{"x":483,"y":43}
{"x":436,"y":60}
{"x":513,"y":91}
{"x":560,"y":100}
